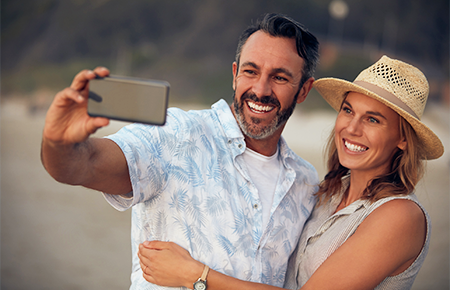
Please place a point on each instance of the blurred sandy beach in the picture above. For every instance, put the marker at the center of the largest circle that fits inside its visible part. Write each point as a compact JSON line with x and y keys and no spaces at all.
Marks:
{"x":55,"y":236}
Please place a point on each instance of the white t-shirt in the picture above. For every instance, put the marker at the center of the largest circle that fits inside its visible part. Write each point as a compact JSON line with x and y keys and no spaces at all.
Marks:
{"x":264,"y":172}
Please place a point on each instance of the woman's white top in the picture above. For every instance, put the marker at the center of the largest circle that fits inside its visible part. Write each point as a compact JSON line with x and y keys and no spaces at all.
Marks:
{"x":326,"y":231}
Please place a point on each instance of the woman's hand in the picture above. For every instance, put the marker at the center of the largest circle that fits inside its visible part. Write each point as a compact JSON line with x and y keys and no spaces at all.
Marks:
{"x":167,"y":264}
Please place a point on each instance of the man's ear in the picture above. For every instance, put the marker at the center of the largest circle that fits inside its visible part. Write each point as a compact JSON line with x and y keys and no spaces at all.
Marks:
{"x":307,"y":86}
{"x":235,"y":68}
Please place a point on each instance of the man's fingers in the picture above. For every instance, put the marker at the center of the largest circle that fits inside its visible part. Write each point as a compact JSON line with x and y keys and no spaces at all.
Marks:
{"x":63,"y":96}
{"x":100,"y":122}
{"x":93,"y":124}
{"x":82,"y":79}
{"x":101,"y":71}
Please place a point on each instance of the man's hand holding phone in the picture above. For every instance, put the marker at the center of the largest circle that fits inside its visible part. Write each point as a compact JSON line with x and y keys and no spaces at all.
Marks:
{"x":94,"y":97}
{"x":67,"y":152}
{"x":67,"y":120}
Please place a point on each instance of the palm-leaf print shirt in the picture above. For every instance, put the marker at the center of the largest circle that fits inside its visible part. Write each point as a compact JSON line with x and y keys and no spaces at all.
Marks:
{"x":191,"y":187}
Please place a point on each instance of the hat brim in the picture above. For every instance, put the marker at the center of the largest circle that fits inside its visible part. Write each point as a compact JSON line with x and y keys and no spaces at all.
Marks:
{"x":334,"y":91}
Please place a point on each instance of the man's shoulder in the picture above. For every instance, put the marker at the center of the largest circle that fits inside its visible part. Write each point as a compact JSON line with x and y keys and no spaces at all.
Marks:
{"x":305,"y":170}
{"x":203,"y":122}
{"x":295,"y":160}
{"x":181,"y":117}
{"x":301,"y":164}
{"x":200,"y":111}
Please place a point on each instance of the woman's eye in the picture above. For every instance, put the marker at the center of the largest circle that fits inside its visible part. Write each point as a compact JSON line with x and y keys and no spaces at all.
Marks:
{"x":346,"y":110}
{"x":373,"y":120}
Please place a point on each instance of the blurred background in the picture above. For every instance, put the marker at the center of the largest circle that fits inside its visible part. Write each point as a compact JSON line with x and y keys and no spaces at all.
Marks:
{"x":55,"y":236}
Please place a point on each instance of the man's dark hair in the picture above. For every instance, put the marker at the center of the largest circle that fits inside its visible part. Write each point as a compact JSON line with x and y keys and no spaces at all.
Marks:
{"x":279,"y":25}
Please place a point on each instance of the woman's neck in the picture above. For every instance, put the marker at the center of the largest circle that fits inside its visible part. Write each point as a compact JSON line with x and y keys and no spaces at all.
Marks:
{"x":358,"y":183}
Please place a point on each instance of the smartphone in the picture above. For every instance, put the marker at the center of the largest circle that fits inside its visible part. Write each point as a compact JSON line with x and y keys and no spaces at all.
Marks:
{"x":129,"y":99}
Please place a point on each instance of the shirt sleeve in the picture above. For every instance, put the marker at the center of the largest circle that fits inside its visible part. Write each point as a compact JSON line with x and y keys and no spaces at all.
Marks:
{"x":148,"y":151}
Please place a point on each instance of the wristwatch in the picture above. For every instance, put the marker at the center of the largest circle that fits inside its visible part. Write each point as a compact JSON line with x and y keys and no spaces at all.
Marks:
{"x":200,"y":284}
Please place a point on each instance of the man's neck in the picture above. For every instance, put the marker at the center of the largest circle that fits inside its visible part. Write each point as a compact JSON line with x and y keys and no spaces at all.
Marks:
{"x":267,"y":146}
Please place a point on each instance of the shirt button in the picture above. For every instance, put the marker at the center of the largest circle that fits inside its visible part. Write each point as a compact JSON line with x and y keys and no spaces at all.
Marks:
{"x":240,"y":146}
{"x":229,"y":141}
{"x":255,"y":206}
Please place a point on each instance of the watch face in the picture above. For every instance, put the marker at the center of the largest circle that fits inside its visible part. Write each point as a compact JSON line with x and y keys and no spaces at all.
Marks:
{"x":199,"y":285}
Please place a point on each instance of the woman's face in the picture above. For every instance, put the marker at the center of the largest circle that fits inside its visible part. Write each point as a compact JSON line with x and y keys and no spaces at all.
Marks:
{"x":367,"y":134}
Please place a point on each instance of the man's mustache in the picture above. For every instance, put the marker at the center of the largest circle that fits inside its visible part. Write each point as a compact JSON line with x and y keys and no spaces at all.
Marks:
{"x":266,"y":100}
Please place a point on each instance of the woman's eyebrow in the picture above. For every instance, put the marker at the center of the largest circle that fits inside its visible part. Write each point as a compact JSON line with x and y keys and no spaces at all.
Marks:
{"x":375,"y":114}
{"x":367,"y":112}
{"x":346,"y":103}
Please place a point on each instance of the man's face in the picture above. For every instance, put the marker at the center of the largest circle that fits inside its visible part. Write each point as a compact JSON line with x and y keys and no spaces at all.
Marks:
{"x":267,"y":84}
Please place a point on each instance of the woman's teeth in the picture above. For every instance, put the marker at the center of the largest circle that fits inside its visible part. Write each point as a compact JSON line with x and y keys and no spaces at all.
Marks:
{"x":355,"y":148}
{"x":259,"y":108}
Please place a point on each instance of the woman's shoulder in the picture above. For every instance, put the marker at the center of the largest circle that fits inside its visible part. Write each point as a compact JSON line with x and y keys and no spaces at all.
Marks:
{"x":404,"y":209}
{"x":402,"y":219}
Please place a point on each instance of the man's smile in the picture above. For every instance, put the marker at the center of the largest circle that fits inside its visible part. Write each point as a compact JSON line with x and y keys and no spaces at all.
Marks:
{"x":258,"y":108}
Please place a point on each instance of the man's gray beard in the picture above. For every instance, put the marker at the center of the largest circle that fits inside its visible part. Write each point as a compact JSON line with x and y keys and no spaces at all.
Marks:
{"x":266,"y":131}
{"x":263,"y":133}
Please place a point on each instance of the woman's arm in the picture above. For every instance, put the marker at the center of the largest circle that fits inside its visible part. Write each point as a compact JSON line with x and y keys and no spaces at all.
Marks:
{"x":385,"y":244}
{"x":167,"y":264}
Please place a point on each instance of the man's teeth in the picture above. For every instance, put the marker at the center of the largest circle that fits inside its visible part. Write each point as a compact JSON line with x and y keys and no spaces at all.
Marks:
{"x":355,"y":148}
{"x":259,"y":108}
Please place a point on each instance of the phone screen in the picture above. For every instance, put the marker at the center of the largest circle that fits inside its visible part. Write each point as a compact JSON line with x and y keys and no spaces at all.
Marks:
{"x":129,"y":99}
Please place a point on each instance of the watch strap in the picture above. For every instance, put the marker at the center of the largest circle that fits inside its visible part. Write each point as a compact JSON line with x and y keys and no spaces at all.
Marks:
{"x":205,"y":273}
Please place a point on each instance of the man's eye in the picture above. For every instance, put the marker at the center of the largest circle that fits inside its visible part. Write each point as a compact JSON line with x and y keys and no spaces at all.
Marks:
{"x":249,"y":72}
{"x":280,"y":79}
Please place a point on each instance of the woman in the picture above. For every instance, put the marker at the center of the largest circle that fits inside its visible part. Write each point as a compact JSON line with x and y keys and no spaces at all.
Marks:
{"x":368,"y":229}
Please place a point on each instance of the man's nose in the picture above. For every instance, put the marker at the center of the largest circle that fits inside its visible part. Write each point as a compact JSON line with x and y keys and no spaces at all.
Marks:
{"x":262,"y":87}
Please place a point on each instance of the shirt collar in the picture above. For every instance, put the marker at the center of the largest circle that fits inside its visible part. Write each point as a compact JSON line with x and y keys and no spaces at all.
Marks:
{"x":227,"y":120}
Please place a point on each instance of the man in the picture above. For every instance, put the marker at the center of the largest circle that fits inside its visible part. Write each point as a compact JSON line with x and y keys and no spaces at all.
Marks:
{"x":221,"y":183}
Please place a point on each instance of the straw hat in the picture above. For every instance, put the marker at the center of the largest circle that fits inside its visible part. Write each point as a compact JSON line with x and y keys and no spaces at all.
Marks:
{"x":398,"y":85}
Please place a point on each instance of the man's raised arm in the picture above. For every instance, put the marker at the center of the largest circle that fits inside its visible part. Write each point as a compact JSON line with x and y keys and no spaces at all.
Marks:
{"x":69,"y":154}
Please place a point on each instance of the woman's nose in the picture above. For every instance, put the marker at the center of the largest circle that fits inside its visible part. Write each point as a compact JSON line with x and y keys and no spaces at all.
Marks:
{"x":354,"y":126}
